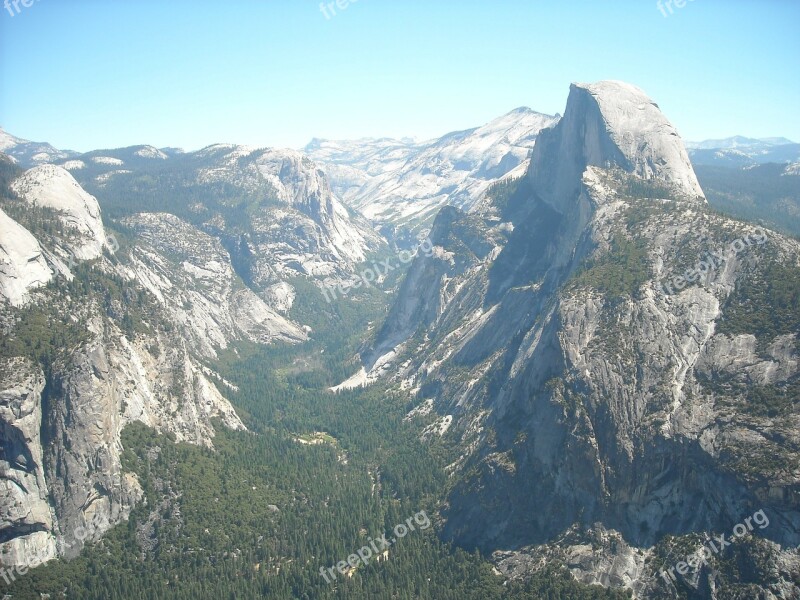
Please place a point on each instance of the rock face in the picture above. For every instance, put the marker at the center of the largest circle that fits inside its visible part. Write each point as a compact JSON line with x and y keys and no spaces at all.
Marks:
{"x":191,"y":273}
{"x":111,"y":382}
{"x":123,"y":338}
{"x":52,"y":187}
{"x":340,"y":238}
{"x":27,"y":532}
{"x":273,"y":210}
{"x":587,"y":338}
{"x":22,"y":263}
{"x":606,"y":124}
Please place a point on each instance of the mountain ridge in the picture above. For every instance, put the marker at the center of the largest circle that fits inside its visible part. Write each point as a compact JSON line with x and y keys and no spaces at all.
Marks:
{"x":582,"y":394}
{"x":402,"y":186}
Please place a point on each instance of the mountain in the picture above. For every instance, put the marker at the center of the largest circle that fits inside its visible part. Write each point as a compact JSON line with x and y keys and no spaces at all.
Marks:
{"x":738,"y":142}
{"x":751,"y":179}
{"x":213,"y":240}
{"x":273,"y":210}
{"x":101,"y":330}
{"x":120,"y":452}
{"x":587,"y":373}
{"x":616,"y":363}
{"x":612,"y":124}
{"x":768,"y":193}
{"x":53,"y":188}
{"x":29,"y":154}
{"x":351,"y":164}
{"x":741,"y":151}
{"x":404,"y":184}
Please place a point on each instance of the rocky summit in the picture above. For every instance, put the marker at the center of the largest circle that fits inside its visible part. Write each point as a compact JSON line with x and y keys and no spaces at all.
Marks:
{"x":602,"y":376}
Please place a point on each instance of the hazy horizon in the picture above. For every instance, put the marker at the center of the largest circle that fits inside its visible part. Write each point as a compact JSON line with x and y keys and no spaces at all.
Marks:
{"x":90,"y":75}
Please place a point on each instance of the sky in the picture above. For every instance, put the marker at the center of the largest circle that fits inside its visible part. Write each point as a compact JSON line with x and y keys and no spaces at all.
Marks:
{"x":92,"y":74}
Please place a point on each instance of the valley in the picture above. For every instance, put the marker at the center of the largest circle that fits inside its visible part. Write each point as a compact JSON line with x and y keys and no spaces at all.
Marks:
{"x":545,"y":371}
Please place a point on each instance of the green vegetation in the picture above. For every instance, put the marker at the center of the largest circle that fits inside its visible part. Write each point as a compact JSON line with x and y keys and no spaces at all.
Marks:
{"x":625,"y":266}
{"x":8,"y":172}
{"x":770,"y":401}
{"x":774,"y":400}
{"x":510,"y":195}
{"x":638,"y":188}
{"x":761,"y":194}
{"x":260,"y":514}
{"x":174,"y":189}
{"x":620,"y":271}
{"x":49,"y":332}
{"x":557,"y":583}
{"x":747,"y":561}
{"x":45,"y":334}
{"x":766,"y":303}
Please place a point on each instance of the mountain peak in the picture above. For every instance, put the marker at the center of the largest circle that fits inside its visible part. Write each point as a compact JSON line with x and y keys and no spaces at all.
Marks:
{"x":612,"y":88}
{"x":610,"y":123}
{"x":53,"y":187}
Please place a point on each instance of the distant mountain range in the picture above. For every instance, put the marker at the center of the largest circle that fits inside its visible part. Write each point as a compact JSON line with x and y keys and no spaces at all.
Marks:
{"x":741,"y":151}
{"x":29,"y":154}
{"x":404,"y":184}
{"x":399,"y":185}
{"x":738,"y":141}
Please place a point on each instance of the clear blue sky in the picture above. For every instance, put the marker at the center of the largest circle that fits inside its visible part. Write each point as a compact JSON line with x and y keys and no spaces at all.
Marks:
{"x":87,"y":74}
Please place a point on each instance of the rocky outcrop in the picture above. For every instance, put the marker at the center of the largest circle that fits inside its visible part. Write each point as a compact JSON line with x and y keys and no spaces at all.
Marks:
{"x":131,"y":333}
{"x":595,"y":367}
{"x":607,"y":124}
{"x":191,"y":274}
{"x":330,"y":239}
{"x":27,"y":532}
{"x":273,"y":210}
{"x":22,"y":263}
{"x":404,"y":184}
{"x":53,"y":187}
{"x":110,"y":382}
